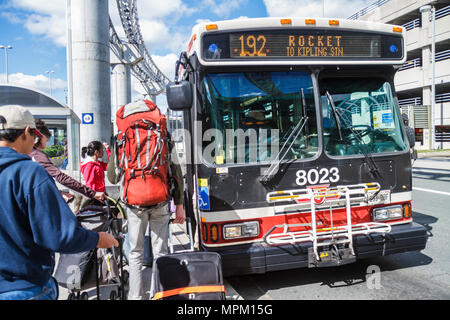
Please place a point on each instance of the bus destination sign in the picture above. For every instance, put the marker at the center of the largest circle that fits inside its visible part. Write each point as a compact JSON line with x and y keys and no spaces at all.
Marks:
{"x":301,"y":44}
{"x":304,"y":45}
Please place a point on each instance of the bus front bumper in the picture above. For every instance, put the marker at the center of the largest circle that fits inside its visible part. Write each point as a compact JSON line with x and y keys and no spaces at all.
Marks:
{"x":261,"y":258}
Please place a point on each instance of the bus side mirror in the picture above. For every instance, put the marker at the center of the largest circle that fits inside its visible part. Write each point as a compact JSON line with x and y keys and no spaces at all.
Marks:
{"x":414,"y":155}
{"x":410,"y":133}
{"x":179,"y":95}
{"x":411,"y":136}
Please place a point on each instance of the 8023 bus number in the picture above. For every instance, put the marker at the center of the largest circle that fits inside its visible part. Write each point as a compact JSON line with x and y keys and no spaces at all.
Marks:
{"x":315,"y":176}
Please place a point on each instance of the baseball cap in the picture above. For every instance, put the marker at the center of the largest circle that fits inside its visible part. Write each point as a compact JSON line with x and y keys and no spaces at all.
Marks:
{"x":17,"y":117}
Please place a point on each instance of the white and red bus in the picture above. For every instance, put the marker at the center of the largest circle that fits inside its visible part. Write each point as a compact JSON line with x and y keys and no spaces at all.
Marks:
{"x":295,"y":148}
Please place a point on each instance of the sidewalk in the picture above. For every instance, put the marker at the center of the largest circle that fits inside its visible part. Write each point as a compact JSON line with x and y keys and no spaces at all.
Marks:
{"x":432,"y":154}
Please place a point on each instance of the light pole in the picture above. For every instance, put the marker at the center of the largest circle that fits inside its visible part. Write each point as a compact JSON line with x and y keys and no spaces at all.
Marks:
{"x":6,"y":59}
{"x":50,"y":79}
{"x":432,"y":10}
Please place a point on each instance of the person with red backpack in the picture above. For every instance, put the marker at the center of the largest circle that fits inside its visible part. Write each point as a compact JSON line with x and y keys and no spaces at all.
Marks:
{"x":149,"y":174}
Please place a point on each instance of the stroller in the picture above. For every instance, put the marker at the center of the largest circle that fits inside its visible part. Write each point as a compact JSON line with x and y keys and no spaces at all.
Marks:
{"x":75,"y":271}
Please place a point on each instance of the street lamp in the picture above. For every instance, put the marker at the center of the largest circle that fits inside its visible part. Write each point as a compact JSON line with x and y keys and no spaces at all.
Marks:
{"x":50,"y":79}
{"x":432,"y":10}
{"x":6,"y":58}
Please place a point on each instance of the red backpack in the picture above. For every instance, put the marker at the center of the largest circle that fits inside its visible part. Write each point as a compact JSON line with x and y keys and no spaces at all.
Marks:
{"x":142,"y":153}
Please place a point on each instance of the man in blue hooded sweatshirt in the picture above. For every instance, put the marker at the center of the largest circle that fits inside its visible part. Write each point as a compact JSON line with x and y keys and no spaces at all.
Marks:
{"x":35,"y":221}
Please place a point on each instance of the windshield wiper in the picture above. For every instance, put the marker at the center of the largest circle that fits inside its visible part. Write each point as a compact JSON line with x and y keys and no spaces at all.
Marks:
{"x":304,"y":114}
{"x":336,"y":117}
{"x":373,"y":169}
{"x":273,"y":169}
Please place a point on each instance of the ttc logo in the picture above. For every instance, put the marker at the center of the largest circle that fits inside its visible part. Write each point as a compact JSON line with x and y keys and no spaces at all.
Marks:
{"x":87,"y":118}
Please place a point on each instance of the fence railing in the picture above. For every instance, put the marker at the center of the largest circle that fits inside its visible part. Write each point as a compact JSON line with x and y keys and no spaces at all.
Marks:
{"x":417,"y":101}
{"x":411,"y":64}
{"x":442,"y":97}
{"x":442,"y":55}
{"x":445,"y":11}
{"x":416,"y":23}
{"x":367,"y":9}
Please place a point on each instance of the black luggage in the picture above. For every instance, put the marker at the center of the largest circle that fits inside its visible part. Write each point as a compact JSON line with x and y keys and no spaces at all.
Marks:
{"x":76,"y":271}
{"x":190,"y":275}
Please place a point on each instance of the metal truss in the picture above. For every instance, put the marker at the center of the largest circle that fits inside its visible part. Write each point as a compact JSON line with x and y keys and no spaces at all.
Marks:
{"x":144,"y":69}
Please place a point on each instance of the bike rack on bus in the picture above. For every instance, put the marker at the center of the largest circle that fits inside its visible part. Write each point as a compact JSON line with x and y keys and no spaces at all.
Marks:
{"x":324,"y":197}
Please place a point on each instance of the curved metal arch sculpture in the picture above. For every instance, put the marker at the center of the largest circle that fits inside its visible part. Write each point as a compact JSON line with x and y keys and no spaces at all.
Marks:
{"x":145,"y":70}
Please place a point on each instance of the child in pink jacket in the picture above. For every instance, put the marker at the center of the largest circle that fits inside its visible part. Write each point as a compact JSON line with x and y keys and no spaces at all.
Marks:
{"x":92,"y":168}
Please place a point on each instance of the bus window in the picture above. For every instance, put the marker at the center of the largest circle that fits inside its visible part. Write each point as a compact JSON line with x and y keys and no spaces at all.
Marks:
{"x":367,"y":113}
{"x":251,"y":115}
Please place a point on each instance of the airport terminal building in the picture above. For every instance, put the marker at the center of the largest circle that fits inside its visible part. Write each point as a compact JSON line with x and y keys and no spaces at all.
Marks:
{"x":61,"y":120}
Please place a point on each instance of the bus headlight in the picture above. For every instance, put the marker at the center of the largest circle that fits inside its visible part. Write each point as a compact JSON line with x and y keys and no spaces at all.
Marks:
{"x":241,"y":230}
{"x":388,"y":213}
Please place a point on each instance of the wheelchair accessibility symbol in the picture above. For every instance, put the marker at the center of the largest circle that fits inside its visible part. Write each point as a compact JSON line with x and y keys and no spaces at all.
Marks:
{"x":87,"y":118}
{"x":203,"y":198}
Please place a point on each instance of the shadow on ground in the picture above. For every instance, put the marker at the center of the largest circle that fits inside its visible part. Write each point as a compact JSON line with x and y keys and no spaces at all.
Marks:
{"x":256,"y":286}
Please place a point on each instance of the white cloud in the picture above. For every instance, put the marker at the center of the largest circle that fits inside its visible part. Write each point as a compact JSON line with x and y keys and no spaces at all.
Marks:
{"x":223,"y":8}
{"x":313,"y":8}
{"x":40,"y":82}
{"x":40,"y":6}
{"x":157,"y":9}
{"x":48,"y":18}
{"x":154,"y":31}
{"x":51,"y":27}
{"x":166,"y":64}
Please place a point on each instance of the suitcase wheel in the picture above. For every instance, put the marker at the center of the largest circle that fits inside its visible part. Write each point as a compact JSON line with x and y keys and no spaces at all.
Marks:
{"x":113,"y":295}
{"x":72,"y":296}
{"x":125,"y":276}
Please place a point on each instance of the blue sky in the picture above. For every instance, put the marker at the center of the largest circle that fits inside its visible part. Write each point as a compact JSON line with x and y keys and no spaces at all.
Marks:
{"x":37,"y":31}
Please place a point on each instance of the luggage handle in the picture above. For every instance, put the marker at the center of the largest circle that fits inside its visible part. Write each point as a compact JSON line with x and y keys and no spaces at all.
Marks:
{"x":97,"y":208}
{"x":189,"y":230}
{"x":96,"y":211}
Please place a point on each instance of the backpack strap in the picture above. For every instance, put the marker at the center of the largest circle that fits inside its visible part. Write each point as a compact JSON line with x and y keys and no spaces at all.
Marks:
{"x":136,"y":126}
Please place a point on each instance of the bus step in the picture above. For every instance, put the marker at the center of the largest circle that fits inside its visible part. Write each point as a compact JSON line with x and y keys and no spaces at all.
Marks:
{"x":330,"y":258}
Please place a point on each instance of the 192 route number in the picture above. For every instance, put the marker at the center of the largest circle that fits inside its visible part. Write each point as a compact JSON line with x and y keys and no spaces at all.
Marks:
{"x":315,"y":176}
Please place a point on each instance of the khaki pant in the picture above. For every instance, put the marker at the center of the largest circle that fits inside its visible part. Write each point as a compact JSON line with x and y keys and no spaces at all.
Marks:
{"x":158,"y":218}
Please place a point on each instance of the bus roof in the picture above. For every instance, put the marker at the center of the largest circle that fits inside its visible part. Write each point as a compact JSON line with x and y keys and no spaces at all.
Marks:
{"x":285,"y":23}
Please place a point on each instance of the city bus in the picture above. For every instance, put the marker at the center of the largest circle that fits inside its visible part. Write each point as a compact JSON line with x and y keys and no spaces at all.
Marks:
{"x":296,"y":154}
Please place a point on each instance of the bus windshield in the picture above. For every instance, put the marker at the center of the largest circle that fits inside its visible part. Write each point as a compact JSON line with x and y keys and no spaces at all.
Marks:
{"x":366,"y":113}
{"x":252,"y":114}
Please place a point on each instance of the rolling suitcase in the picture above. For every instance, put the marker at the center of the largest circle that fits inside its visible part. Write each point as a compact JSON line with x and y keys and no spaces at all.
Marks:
{"x":188,"y":275}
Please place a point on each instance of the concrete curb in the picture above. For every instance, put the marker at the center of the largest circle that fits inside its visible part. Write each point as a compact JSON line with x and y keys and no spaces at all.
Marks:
{"x":431,"y":154}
